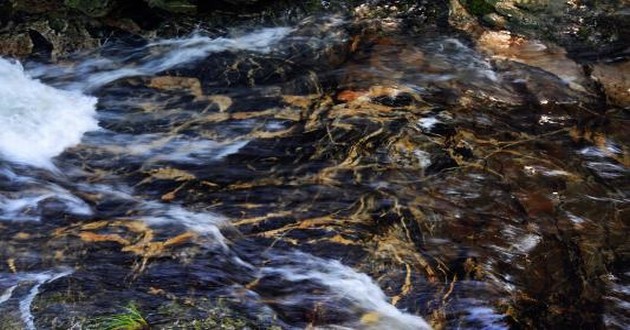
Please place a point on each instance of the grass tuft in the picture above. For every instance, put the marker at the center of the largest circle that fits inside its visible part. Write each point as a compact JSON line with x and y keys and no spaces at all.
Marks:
{"x":131,"y":319}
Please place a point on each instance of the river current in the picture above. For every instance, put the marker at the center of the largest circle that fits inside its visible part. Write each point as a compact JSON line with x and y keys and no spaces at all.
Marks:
{"x":415,"y":181}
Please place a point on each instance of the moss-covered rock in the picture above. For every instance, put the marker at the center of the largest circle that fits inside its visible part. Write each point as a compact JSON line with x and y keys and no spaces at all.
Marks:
{"x":207,"y":315}
{"x":479,"y":7}
{"x":92,"y":8}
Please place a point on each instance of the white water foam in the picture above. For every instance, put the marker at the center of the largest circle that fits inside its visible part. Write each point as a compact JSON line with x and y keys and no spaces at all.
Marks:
{"x":206,"y":224}
{"x":344,"y":283}
{"x":427,"y":123}
{"x":485,"y":316}
{"x":37,"y":122}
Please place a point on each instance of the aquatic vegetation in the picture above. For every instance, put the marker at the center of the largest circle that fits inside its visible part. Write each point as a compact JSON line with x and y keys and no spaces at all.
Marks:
{"x":130,"y":319}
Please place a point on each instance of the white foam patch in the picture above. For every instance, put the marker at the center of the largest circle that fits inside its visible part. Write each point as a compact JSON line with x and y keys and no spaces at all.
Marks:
{"x":427,"y":123}
{"x":468,"y":62}
{"x":423,"y":157}
{"x":344,"y":283}
{"x":206,"y":224}
{"x":37,"y":122}
{"x":485,"y":315}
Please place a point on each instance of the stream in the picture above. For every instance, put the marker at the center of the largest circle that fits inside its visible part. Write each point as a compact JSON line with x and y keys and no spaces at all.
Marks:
{"x":303,"y":176}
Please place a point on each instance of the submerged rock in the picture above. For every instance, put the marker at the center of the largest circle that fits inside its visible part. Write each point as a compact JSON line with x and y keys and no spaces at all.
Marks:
{"x":615,"y":80}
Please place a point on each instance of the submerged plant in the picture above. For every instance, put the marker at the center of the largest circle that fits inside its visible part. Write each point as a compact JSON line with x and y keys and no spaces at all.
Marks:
{"x":131,"y":319}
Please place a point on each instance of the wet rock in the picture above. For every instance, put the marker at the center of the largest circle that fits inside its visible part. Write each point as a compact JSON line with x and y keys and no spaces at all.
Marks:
{"x":16,"y":45}
{"x":47,"y":38}
{"x":460,"y":18}
{"x":505,"y":46}
{"x":241,"y":2}
{"x":174,"y":6}
{"x":64,"y":37}
{"x":316,"y":45}
{"x":35,"y":6}
{"x":585,"y":28}
{"x":401,"y":15}
{"x":615,"y":80}
{"x":92,"y":8}
{"x":549,"y":57}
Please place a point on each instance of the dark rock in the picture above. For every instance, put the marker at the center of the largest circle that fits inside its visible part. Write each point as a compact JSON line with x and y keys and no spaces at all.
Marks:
{"x":242,"y":2}
{"x":92,"y":8}
{"x":35,"y":6}
{"x":175,"y":6}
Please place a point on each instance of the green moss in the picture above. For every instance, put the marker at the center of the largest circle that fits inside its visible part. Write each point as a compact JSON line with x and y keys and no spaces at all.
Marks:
{"x":208,"y":315}
{"x":479,"y":7}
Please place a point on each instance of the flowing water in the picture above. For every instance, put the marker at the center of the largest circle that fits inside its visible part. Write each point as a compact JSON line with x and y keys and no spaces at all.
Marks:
{"x":303,"y":176}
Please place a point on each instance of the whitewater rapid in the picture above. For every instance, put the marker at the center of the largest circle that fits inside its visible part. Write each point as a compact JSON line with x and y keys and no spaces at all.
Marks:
{"x":38,"y":122}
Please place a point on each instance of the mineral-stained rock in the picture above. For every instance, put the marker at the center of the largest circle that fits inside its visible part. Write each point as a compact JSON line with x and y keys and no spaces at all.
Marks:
{"x":549,"y":57}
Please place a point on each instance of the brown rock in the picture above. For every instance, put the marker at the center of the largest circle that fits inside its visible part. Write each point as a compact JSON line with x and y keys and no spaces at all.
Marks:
{"x":546,"y":56}
{"x":615,"y":79}
{"x":17,"y":45}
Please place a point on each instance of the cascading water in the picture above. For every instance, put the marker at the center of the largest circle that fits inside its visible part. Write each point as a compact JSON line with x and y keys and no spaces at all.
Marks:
{"x":255,"y":179}
{"x":40,"y":122}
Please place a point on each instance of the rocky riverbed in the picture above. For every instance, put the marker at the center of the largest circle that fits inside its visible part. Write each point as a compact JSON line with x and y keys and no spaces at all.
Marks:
{"x":327,"y":165}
